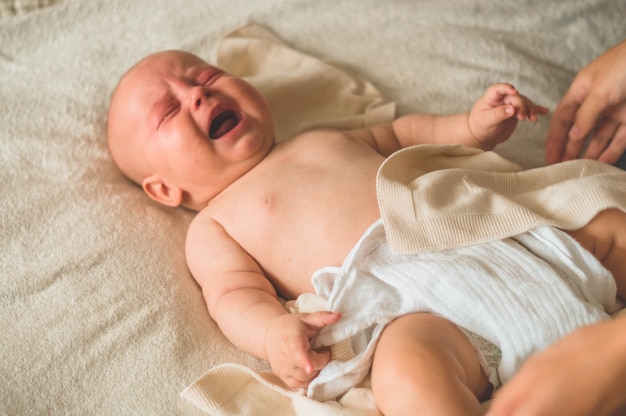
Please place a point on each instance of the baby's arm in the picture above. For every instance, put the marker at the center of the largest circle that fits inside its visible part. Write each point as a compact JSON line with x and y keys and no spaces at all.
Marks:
{"x":491,"y":121}
{"x":244,"y":304}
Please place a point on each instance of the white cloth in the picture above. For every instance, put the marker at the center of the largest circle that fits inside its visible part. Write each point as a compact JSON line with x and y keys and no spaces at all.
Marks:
{"x":521,"y":293}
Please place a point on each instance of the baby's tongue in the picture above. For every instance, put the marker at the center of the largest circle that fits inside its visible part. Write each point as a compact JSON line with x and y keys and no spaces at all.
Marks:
{"x":222,"y":124}
{"x":226,"y":126}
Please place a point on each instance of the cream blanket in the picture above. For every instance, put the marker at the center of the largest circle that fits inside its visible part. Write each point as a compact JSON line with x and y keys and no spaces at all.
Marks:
{"x":437,"y":197}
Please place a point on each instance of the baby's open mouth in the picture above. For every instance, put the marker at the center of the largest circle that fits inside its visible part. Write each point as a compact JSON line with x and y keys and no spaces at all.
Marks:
{"x":224,"y":122}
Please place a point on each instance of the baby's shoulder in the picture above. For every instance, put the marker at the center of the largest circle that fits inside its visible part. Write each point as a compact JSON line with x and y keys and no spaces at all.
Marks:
{"x":202,"y":226}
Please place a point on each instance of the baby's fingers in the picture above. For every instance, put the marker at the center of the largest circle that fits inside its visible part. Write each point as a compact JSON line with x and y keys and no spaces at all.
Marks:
{"x":319,"y":320}
{"x":307,"y":368}
{"x":533,"y":111}
{"x":524,"y":108}
{"x":495,"y":116}
{"x":497,"y":92}
{"x":538,"y":110}
{"x":302,"y":358}
{"x":319,"y":359}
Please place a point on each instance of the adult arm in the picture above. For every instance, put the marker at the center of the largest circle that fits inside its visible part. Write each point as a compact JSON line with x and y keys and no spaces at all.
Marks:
{"x":582,"y":374}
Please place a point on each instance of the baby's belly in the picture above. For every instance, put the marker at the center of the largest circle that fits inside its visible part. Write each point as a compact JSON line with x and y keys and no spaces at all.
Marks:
{"x":297,"y":253}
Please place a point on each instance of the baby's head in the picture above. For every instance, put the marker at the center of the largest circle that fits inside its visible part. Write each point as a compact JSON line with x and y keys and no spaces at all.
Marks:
{"x":185,"y":130}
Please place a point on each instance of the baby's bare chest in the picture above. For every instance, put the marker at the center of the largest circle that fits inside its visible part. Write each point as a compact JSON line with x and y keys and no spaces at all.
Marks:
{"x":304,"y":202}
{"x":305,"y":214}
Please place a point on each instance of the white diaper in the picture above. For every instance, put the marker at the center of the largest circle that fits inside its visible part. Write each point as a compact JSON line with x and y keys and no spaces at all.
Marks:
{"x":519,"y":294}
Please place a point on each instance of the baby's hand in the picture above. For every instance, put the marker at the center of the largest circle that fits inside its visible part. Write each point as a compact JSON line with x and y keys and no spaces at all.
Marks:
{"x":494,"y":117}
{"x":288,"y":346}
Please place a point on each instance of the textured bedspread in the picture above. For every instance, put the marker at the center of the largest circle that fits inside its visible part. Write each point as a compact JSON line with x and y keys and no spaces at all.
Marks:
{"x":98,"y":312}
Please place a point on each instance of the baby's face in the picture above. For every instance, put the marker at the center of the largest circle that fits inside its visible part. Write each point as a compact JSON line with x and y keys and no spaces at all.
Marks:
{"x":194,"y":126}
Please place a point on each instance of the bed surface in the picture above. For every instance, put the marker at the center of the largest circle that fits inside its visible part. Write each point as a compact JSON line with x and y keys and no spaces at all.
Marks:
{"x":99,"y":313}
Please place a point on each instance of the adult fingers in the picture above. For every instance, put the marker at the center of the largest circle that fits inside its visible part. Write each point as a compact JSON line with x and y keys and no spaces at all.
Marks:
{"x":508,"y":399}
{"x":616,"y":147}
{"x":587,"y":116}
{"x":560,"y":124}
{"x":525,"y":398}
{"x":563,"y":117}
{"x":602,"y":136}
{"x":533,"y":406}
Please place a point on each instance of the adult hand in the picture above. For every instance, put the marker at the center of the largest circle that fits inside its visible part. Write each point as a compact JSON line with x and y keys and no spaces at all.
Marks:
{"x":596,"y":99}
{"x":583,"y":374}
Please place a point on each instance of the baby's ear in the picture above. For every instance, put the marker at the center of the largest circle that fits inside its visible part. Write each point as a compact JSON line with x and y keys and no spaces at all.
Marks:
{"x":159,"y":191}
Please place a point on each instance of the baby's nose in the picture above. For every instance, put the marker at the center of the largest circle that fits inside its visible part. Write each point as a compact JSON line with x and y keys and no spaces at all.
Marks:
{"x":199,"y":95}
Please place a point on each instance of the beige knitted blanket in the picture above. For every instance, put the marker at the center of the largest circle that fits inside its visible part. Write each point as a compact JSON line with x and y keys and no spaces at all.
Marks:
{"x":435,"y":197}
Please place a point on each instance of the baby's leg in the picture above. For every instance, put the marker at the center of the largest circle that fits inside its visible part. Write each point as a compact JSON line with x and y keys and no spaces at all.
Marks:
{"x":424,"y":364}
{"x":605,"y":237}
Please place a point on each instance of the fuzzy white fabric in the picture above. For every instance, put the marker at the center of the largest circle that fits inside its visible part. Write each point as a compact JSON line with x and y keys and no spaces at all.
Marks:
{"x":99,"y":312}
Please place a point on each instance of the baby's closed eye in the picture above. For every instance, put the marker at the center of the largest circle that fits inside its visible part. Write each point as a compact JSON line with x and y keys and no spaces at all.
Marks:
{"x":168,"y":111}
